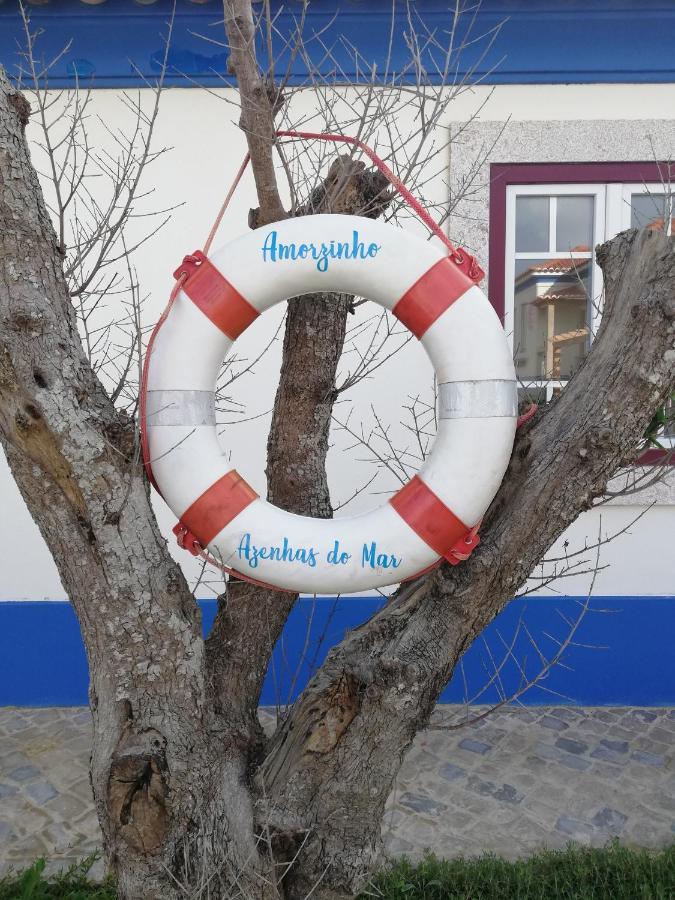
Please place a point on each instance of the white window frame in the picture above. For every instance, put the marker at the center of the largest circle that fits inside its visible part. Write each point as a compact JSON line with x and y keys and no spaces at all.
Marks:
{"x":612,"y":214}
{"x":621,"y":193}
{"x":618,"y":218}
{"x":552,"y":190}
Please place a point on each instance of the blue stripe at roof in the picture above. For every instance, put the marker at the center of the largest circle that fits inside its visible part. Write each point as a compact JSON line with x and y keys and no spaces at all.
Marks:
{"x":118,"y":43}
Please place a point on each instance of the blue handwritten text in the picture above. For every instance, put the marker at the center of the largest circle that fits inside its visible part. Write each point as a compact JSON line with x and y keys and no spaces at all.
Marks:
{"x":273,"y":250}
{"x":370,"y":557}
{"x":338,"y":557}
{"x":285,"y":553}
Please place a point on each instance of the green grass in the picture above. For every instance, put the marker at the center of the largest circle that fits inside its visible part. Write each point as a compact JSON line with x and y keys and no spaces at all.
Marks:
{"x":72,"y":884}
{"x":613,"y":873}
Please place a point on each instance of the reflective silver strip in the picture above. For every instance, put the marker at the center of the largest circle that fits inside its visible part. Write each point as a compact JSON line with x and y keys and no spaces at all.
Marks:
{"x":180,"y":408}
{"x":477,"y":399}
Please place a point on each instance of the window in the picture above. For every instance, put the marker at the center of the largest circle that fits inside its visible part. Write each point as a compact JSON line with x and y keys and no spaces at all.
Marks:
{"x":545,"y":221}
{"x":669,"y":424}
{"x":646,"y":207}
{"x":553,"y":284}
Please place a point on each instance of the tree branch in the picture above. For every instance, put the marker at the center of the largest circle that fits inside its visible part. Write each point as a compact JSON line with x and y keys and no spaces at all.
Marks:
{"x":250,"y":619}
{"x":395,"y":666}
{"x":73,"y":458}
{"x":257,"y":109}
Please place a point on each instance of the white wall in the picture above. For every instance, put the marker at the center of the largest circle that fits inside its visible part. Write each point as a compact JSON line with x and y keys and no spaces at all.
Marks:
{"x":207,"y":149}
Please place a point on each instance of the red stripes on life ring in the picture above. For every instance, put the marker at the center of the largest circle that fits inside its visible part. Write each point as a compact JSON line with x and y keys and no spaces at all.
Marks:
{"x":213,"y":510}
{"x":431,"y":295}
{"x":215,"y":296}
{"x":433,"y":521}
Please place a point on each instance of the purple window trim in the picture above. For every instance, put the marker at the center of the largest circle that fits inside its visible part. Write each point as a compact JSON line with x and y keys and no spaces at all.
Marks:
{"x":504,"y":174}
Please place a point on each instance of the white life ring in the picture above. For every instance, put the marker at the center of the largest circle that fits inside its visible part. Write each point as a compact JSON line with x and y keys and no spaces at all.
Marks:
{"x":477,"y":413}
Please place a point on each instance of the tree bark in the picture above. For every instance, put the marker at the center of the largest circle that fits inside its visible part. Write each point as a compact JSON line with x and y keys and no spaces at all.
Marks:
{"x":258,"y":101}
{"x":172,"y":723}
{"x":168,"y":773}
{"x":250,"y":619}
{"x":332,"y":764}
{"x":331,"y":767}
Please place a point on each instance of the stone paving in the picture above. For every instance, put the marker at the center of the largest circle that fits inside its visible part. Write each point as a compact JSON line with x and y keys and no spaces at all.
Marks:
{"x":512,"y":783}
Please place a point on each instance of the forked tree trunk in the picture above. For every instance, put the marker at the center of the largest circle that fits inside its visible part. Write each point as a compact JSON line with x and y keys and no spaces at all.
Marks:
{"x":185,"y":788}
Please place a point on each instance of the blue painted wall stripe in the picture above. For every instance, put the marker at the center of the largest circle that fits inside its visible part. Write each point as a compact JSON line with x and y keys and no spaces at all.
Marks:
{"x":541,"y":41}
{"x":626,"y":659}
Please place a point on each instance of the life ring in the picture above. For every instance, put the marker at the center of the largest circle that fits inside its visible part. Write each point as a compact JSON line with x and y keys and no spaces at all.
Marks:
{"x":431,"y":517}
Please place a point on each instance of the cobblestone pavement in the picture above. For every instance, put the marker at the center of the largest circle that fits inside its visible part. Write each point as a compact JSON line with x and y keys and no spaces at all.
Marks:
{"x":512,"y":783}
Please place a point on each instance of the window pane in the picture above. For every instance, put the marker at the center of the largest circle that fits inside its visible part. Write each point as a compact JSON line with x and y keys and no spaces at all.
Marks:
{"x":574,"y":223}
{"x":551,"y":313}
{"x":669,"y":427}
{"x":532,"y":224}
{"x":530,"y":394}
{"x":650,"y":210}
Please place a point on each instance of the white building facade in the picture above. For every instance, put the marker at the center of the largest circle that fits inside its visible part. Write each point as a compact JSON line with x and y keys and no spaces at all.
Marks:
{"x":549,"y":155}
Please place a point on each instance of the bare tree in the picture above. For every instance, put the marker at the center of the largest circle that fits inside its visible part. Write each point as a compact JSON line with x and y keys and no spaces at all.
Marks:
{"x":193,"y":799}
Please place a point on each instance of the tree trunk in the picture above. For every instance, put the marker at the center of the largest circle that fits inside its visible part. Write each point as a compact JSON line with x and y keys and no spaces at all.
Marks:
{"x":250,"y":619}
{"x":173,"y":720}
{"x":168,"y":772}
{"x":332,"y":765}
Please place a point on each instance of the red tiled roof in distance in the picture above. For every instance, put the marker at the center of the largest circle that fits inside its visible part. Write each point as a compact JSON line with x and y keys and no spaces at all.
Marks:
{"x":571,"y":292}
{"x":568,"y":266}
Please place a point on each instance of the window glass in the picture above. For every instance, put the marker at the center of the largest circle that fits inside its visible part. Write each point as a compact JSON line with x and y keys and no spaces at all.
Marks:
{"x":532,"y":224}
{"x":574,"y":223}
{"x":551,"y":312}
{"x":650,"y":210}
{"x":551,"y":307}
{"x":669,"y":427}
{"x":529,"y":394}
